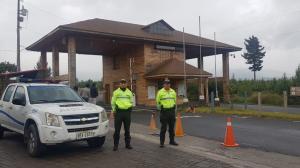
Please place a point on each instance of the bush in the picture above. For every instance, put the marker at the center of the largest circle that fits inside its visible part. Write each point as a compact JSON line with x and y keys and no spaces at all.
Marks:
{"x":292,"y":100}
{"x":266,"y":98}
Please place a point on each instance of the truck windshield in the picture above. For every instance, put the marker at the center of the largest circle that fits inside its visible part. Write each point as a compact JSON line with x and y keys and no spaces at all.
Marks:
{"x":52,"y":94}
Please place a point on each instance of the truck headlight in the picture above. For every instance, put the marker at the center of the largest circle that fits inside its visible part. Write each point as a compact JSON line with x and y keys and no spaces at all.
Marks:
{"x":52,"y":120}
{"x":103,"y":116}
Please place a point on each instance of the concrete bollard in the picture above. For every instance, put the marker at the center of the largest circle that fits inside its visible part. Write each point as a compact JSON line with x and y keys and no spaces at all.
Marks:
{"x":285,"y":100}
{"x":212,"y":102}
{"x":259,"y":100}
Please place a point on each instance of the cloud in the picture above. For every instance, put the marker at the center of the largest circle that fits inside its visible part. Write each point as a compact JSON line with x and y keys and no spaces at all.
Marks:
{"x":275,"y":22}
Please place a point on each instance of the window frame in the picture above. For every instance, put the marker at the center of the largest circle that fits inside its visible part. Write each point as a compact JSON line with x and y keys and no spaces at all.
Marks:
{"x":11,"y":95}
{"x":14,"y":95}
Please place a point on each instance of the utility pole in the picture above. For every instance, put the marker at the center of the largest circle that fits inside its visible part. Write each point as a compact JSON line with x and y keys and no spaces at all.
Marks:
{"x":18,"y":37}
{"x":20,"y":13}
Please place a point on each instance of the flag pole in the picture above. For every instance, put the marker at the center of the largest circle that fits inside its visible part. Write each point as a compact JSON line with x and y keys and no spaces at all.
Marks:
{"x":184,"y":68}
{"x":200,"y":61}
{"x":216,"y":83}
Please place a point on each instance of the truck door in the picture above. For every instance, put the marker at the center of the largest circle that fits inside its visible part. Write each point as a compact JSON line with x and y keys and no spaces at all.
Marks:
{"x":19,"y":109}
{"x":6,"y":106}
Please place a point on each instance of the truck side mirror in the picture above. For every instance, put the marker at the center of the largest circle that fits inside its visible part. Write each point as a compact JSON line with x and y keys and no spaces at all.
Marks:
{"x":18,"y":101}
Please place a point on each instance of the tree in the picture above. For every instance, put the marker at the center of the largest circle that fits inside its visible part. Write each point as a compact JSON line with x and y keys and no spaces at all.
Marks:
{"x":46,"y":74}
{"x":7,"y":67}
{"x":254,"y":55}
{"x":297,"y":76}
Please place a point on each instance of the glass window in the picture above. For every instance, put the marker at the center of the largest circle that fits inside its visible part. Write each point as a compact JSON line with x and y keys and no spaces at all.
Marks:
{"x":20,"y":94}
{"x":159,"y":28}
{"x":8,"y":93}
{"x":52,"y":94}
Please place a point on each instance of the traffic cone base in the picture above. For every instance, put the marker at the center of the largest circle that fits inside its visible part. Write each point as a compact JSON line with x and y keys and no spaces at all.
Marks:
{"x":178,"y":128}
{"x":152,"y":125}
{"x":234,"y":145}
{"x":229,"y":140}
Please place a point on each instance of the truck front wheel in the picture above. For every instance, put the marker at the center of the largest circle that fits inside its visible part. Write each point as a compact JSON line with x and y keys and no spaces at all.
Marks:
{"x":96,"y":142}
{"x":34,"y":145}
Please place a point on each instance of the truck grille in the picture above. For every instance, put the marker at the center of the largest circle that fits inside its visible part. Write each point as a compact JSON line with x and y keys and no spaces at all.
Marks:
{"x":82,"y":129}
{"x":81,"y":119}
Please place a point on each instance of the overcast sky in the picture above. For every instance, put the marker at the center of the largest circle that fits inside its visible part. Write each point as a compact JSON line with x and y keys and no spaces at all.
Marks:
{"x":275,"y":22}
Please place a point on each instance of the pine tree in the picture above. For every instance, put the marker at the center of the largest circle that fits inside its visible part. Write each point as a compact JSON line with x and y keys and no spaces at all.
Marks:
{"x":254,"y":55}
{"x":297,"y":76}
{"x":45,"y":74}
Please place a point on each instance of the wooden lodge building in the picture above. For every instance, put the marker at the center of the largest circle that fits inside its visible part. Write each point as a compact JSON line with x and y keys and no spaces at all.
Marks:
{"x":144,"y":53}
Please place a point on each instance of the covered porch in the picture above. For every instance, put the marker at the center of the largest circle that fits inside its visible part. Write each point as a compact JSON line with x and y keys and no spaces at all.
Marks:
{"x":174,"y":70}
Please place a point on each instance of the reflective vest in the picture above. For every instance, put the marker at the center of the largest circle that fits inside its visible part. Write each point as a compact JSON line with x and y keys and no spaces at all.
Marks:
{"x":121,"y":99}
{"x":166,"y":98}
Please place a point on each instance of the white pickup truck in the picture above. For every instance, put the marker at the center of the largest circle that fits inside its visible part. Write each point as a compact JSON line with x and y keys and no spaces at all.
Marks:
{"x":48,"y":114}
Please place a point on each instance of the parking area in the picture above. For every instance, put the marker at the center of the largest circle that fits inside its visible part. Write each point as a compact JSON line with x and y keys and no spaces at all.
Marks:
{"x":145,"y":154}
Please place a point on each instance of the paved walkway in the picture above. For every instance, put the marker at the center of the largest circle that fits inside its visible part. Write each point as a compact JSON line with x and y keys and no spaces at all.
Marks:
{"x":144,"y":155}
{"x":191,"y":153}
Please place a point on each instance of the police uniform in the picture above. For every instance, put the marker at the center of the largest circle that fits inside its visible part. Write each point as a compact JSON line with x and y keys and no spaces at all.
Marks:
{"x":122,"y":105}
{"x":166,"y":104}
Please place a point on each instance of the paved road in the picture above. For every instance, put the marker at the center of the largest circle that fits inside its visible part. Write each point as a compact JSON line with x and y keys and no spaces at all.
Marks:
{"x":144,"y":155}
{"x":294,"y":110}
{"x":268,"y":135}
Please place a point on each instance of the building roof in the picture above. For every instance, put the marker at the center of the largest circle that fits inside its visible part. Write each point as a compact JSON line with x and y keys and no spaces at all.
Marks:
{"x":174,"y":69}
{"x":128,"y":31}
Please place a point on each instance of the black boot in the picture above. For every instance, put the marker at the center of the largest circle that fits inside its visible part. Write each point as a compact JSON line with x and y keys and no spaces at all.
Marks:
{"x":172,"y":141}
{"x":162,"y":141}
{"x":128,"y":146}
{"x":127,"y":142}
{"x":115,"y":148}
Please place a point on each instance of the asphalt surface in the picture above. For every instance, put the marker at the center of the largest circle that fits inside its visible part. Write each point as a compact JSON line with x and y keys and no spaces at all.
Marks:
{"x":78,"y":155}
{"x":293,"y":110}
{"x":263,"y":134}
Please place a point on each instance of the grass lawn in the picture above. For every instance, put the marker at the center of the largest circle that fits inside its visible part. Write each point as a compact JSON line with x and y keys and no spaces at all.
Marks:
{"x":252,"y":113}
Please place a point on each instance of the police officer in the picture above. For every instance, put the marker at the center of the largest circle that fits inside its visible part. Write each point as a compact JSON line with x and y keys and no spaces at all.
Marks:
{"x":166,"y":104}
{"x":121,"y":103}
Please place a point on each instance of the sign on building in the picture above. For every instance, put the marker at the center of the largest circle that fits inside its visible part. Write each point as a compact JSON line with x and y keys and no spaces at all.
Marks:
{"x":295,"y":91}
{"x":151,"y":92}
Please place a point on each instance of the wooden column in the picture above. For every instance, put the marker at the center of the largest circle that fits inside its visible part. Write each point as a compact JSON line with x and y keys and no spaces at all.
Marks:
{"x":43,"y":59}
{"x":72,"y":61}
{"x":55,"y":61}
{"x":201,"y":86}
{"x":226,"y":93}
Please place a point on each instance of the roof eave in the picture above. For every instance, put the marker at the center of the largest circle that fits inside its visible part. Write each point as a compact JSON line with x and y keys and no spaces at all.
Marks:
{"x":175,"y":75}
{"x":33,"y":46}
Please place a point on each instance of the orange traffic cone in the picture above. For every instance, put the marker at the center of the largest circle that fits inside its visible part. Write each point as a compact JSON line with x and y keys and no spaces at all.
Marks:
{"x":229,"y":140}
{"x":178,"y":128}
{"x":152,"y":125}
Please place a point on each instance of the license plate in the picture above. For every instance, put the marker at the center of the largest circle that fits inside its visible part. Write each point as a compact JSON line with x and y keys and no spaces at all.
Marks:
{"x":85,"y":134}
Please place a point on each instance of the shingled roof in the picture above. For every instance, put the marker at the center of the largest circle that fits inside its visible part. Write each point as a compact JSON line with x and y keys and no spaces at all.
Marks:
{"x":108,"y":28}
{"x":174,"y":69}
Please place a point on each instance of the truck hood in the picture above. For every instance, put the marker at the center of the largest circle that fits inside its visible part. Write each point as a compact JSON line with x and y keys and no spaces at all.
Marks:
{"x":68,"y":108}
